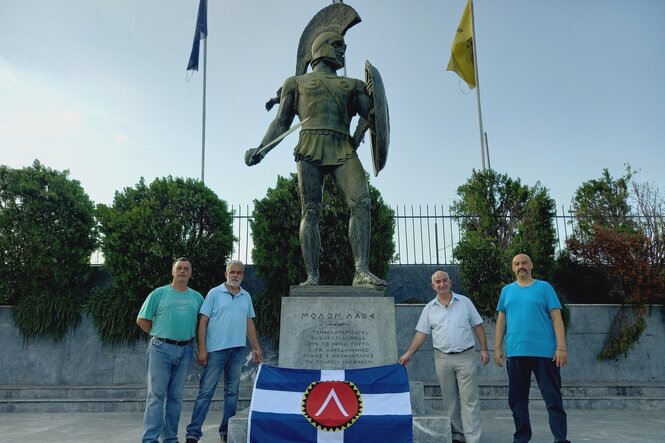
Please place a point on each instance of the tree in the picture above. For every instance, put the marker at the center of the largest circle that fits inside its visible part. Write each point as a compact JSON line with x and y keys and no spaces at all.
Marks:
{"x":143,"y":232}
{"x":277,"y":255}
{"x":630,"y":250}
{"x":47,"y":235}
{"x":650,"y":204}
{"x":602,"y":202}
{"x":500,"y":218}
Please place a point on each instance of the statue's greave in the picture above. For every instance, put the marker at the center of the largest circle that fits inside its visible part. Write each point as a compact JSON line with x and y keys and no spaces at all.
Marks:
{"x":310,"y":238}
{"x":360,"y":231}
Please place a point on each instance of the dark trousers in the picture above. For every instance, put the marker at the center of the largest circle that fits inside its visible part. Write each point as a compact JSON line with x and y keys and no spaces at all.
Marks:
{"x":548,"y":378}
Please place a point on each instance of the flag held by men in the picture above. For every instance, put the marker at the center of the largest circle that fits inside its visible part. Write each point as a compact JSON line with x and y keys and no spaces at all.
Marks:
{"x":200,"y":33}
{"x":331,"y":406}
{"x":461,"y":58}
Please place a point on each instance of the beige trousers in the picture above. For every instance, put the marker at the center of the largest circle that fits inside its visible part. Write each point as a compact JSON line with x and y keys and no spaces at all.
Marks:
{"x":457,"y":375}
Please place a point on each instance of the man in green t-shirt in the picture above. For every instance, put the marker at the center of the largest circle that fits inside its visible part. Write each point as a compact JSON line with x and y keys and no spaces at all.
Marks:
{"x":169,"y":315}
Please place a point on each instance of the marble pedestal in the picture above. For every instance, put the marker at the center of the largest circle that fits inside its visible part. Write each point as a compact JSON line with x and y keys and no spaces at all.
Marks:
{"x":337,"y":327}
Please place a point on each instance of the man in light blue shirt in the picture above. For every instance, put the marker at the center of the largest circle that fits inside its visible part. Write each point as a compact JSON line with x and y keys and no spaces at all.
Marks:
{"x":225,"y":321}
{"x":529,"y":316}
{"x":452,"y":319}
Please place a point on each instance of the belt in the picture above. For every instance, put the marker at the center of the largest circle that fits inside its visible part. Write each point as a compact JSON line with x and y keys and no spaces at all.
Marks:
{"x":458,"y":352}
{"x":175,"y":342}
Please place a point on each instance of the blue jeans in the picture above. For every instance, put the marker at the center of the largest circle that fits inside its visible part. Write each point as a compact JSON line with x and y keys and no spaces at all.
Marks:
{"x":548,"y":377}
{"x":228,"y":362}
{"x":167,"y":371}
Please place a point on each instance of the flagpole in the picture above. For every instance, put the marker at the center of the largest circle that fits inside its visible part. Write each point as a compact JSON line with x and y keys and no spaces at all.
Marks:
{"x":203,"y":123}
{"x":487,"y":152}
{"x":475,"y":68}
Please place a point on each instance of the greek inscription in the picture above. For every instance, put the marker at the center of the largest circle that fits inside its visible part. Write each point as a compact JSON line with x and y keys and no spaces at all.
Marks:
{"x":337,"y":315}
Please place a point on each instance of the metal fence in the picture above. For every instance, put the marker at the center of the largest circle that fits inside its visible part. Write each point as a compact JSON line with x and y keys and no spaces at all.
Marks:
{"x":423,"y":234}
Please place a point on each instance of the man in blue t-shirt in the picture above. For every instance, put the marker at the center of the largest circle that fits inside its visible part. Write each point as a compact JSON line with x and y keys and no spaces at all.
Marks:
{"x":169,"y":315}
{"x":225,"y":322}
{"x":529,"y":316}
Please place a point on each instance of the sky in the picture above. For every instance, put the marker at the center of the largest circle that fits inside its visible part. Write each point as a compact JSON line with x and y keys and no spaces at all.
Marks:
{"x":567,"y":88}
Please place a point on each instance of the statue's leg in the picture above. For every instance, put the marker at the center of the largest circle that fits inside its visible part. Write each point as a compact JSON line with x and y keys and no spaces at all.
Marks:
{"x":352,"y":181}
{"x":310,"y":186}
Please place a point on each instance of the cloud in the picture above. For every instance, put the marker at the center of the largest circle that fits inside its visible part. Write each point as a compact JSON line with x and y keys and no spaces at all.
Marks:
{"x":42,"y":124}
{"x":7,"y":78}
{"x":34,"y":109}
{"x":121,"y":139}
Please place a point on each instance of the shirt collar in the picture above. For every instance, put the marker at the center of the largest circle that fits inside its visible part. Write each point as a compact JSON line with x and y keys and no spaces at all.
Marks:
{"x":454,"y":297}
{"x":225,"y":289}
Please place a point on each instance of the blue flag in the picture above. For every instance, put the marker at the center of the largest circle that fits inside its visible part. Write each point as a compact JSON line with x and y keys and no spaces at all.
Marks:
{"x":331,"y":406}
{"x":200,"y":33}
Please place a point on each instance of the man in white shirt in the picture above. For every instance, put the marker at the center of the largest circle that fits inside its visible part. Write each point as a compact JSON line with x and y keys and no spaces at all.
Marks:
{"x":452,"y":319}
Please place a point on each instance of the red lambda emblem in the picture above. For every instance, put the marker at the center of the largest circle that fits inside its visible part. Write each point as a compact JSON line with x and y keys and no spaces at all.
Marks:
{"x":332,"y":405}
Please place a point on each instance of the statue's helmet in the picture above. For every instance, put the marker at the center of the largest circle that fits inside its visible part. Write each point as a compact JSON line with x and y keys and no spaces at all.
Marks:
{"x":323,"y":45}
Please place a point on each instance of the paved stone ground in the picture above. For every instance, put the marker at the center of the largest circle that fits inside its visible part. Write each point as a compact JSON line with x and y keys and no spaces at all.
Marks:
{"x":607,"y":426}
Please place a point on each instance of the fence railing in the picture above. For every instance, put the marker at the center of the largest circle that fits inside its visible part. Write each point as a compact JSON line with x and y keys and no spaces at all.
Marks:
{"x":423,"y":234}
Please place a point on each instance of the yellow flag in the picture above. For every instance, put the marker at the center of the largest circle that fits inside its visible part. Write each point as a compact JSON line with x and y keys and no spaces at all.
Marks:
{"x":461,"y":58}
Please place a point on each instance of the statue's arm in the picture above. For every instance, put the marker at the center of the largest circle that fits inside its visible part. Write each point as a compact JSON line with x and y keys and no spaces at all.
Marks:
{"x":365,"y":104}
{"x":278,"y":126}
{"x":364,"y":108}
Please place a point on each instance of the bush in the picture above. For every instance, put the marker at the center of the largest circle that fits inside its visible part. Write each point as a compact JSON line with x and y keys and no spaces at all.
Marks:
{"x":483,"y":271}
{"x":500,"y":218}
{"x":47,"y":235}
{"x":602,"y":202}
{"x":277,"y":255}
{"x":630,"y":251}
{"x":625,"y":331}
{"x":580,"y":283}
{"x":143,"y":232}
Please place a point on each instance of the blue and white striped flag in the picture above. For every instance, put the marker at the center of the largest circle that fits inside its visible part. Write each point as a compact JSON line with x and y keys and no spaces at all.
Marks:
{"x":330,"y":406}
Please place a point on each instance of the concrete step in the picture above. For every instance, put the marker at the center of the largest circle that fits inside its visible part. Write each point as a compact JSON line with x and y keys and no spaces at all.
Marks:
{"x":96,"y":405}
{"x":571,"y":389}
{"x":434,"y":405}
{"x":117,"y":392}
{"x":98,"y":398}
{"x":131,"y":398}
{"x":576,"y":395}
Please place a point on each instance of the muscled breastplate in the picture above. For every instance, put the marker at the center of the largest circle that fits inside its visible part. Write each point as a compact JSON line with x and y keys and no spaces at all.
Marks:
{"x":326,"y":100}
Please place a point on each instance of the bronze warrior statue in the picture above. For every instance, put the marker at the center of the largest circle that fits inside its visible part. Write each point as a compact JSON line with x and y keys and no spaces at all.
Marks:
{"x":325,"y":104}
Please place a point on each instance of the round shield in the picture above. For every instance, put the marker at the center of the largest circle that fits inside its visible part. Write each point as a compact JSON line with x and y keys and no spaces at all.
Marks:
{"x":381,"y":133}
